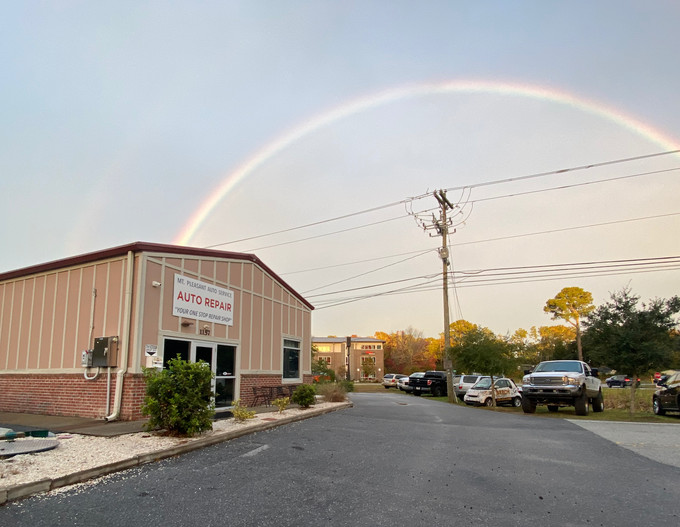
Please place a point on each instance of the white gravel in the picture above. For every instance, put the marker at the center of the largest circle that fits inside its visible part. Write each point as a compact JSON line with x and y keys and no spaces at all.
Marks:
{"x":78,"y":452}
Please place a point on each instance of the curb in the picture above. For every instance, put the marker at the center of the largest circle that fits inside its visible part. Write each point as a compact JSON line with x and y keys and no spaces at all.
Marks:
{"x":25,"y":490}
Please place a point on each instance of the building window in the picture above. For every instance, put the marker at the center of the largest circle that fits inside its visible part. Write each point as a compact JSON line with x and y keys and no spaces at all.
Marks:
{"x":327,"y":360}
{"x":323,"y":347}
{"x":291,"y":359}
{"x":367,"y":360}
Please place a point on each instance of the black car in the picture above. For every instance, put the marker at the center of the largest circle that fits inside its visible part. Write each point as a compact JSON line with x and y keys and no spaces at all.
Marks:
{"x":621,"y":381}
{"x":667,"y":396}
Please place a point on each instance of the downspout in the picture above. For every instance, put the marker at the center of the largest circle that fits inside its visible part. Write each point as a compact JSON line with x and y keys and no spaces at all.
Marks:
{"x":89,"y":339}
{"x":118,"y":398}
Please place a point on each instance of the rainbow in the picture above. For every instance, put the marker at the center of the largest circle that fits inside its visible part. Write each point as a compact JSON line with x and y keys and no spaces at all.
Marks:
{"x":405,"y":92}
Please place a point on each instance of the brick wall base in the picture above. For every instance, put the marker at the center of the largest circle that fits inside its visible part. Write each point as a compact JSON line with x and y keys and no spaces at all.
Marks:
{"x":248,"y":382}
{"x":73,"y":395}
{"x":69,"y":395}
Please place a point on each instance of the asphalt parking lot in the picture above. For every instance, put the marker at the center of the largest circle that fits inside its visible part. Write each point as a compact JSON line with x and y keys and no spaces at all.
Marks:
{"x":657,"y":441}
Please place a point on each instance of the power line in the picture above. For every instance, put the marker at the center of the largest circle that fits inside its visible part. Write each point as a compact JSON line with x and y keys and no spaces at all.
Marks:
{"x":531,"y":268}
{"x":562,"y":187}
{"x":367,"y":272}
{"x":425,"y":287}
{"x":471,"y":202}
{"x":475,"y":185}
{"x":355,"y":262}
{"x":512,"y":236}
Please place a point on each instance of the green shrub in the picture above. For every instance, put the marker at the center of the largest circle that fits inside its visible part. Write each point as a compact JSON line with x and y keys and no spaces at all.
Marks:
{"x":304,"y":395}
{"x":179,"y":399}
{"x":332,"y":392}
{"x":281,"y":403}
{"x":240,"y":412}
{"x":347,"y":385}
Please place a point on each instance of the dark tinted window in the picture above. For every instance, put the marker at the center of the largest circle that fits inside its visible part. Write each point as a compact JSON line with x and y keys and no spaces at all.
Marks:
{"x":470,"y":378}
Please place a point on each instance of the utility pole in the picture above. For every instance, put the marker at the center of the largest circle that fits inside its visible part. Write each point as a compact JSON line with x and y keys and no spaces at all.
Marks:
{"x":441,"y":226}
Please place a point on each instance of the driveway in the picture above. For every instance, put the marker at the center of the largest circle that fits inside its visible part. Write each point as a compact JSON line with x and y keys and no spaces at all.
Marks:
{"x":657,"y":441}
{"x":391,"y":459}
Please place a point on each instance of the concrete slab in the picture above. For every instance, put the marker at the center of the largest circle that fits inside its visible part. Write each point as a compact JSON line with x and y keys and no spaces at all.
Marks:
{"x":73,"y":425}
{"x":30,"y":446}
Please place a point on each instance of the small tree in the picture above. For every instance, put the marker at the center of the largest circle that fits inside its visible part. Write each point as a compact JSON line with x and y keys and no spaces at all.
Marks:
{"x":631,"y":339}
{"x":179,"y":399}
{"x":481,"y":350}
{"x":320,"y":368}
{"x":571,"y":304}
{"x":368,"y":368}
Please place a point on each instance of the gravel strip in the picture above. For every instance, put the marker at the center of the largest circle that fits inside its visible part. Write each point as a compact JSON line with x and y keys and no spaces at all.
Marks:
{"x":78,"y":452}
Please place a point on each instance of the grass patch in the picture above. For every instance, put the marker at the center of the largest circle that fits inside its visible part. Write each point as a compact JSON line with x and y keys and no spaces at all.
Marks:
{"x":373,"y":388}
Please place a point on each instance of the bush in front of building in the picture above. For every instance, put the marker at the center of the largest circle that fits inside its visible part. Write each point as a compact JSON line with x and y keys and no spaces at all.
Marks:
{"x":347,"y":385}
{"x":179,"y":399}
{"x":304,"y":395}
{"x":241,"y":412}
{"x":281,"y":403}
{"x":332,"y":392}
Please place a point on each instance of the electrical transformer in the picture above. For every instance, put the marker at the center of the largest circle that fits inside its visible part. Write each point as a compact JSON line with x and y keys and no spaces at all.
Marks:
{"x":105,"y":352}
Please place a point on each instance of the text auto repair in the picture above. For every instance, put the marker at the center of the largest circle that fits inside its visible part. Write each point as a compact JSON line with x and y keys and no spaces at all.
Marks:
{"x":187,"y":298}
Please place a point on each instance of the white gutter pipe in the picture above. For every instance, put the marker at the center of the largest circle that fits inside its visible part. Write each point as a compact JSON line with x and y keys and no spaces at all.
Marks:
{"x":118,"y":398}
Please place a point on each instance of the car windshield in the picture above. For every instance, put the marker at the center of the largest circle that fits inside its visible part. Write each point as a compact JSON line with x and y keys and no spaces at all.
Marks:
{"x":483,"y":384}
{"x":560,"y":365}
{"x":470,"y":378}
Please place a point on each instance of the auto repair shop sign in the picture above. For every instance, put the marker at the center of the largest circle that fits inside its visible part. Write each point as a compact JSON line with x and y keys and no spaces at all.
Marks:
{"x":196,"y":299}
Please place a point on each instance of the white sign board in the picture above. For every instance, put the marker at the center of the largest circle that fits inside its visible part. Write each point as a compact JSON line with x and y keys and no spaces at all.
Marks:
{"x":150,"y":350}
{"x":202,"y":301}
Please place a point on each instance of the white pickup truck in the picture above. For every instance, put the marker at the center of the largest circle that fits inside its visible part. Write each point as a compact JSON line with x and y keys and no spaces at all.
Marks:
{"x":556,"y":383}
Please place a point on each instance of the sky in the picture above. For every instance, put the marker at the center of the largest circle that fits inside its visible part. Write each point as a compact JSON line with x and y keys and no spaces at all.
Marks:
{"x":205,"y":123}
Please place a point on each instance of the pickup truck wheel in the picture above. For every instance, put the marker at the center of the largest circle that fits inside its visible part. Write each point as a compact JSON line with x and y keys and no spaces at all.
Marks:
{"x":417,"y":394}
{"x":436,"y":391}
{"x":656,"y":405}
{"x":528,"y":405}
{"x":581,"y":403}
{"x":517,"y":402}
{"x":553,"y":408}
{"x":598,"y":403}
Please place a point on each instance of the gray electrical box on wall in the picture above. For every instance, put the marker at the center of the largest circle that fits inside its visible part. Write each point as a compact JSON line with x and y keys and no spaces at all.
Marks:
{"x":105,"y":352}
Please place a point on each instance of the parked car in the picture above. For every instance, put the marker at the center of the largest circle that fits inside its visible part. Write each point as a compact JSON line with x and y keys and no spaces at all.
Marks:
{"x":391,"y":380}
{"x":506,"y":393}
{"x":405,"y":384}
{"x":464,"y":384}
{"x":559,"y":383}
{"x":667,"y":396}
{"x":433,"y":382}
{"x":621,"y":381}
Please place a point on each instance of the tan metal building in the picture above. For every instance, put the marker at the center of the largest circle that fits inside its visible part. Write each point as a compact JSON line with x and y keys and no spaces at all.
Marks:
{"x":76,"y":333}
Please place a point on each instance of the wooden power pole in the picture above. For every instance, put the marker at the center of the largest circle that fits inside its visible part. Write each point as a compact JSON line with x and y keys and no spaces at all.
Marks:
{"x":441,"y":226}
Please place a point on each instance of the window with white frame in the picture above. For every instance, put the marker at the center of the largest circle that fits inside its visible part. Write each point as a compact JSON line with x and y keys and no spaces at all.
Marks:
{"x":291,"y":359}
{"x":367,"y":360}
{"x":327,"y":360}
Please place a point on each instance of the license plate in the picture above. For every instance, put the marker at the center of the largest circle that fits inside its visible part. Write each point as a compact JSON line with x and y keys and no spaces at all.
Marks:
{"x":418,"y":388}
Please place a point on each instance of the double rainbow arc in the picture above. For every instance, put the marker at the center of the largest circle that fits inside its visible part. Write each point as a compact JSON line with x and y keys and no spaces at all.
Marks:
{"x":405,"y":92}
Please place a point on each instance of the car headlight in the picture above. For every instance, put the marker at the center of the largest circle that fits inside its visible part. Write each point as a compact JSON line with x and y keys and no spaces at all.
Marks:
{"x":572,"y":380}
{"x":526,"y":379}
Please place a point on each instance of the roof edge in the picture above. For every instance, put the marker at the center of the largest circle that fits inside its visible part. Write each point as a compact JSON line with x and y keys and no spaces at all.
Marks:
{"x":139,"y":247}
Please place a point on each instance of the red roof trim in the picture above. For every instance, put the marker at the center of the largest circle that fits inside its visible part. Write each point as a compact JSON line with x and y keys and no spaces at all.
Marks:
{"x":138,"y":247}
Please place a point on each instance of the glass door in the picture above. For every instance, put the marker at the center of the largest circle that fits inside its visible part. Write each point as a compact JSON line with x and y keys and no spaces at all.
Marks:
{"x":225,"y":375}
